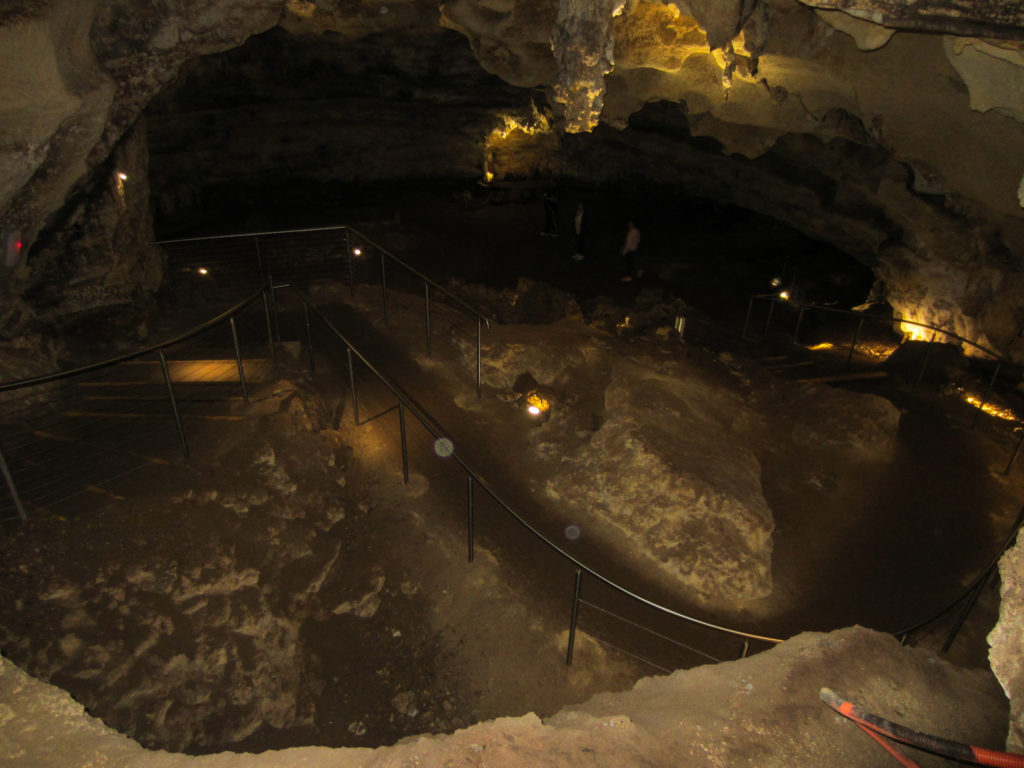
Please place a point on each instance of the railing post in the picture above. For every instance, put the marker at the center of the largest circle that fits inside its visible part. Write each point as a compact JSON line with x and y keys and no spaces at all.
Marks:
{"x":924,"y":364}
{"x":384,"y":285}
{"x":984,"y":398}
{"x":746,"y":648}
{"x":273,"y":303}
{"x":259,"y":256}
{"x":405,"y":449}
{"x":426,"y":306}
{"x":351,"y":269}
{"x":971,"y":600}
{"x":799,"y":322}
{"x":238,"y":359}
{"x":575,"y":616}
{"x":12,"y":488}
{"x":270,"y":328}
{"x":469,"y":513}
{"x":174,"y":404}
{"x":479,"y":359}
{"x":771,"y":311}
{"x":746,"y":320}
{"x":1013,"y":458}
{"x":309,"y":337}
{"x":856,"y":338}
{"x":352,"y":384}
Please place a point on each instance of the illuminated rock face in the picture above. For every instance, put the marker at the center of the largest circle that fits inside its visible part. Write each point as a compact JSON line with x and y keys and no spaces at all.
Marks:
{"x":666,"y":472}
{"x":583,"y":44}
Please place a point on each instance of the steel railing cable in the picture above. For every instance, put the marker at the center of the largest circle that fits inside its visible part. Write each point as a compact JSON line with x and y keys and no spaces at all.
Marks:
{"x":438,"y":433}
{"x":32,"y":381}
{"x":803,"y":306}
{"x":287,"y":256}
{"x":343,"y":228}
{"x":650,"y":631}
{"x":427,"y":421}
{"x":973,"y":589}
{"x":437,"y":286}
{"x":85,"y":425}
{"x":975,"y":585}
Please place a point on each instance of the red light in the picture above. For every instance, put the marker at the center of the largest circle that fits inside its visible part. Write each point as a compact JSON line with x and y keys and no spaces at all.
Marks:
{"x":18,"y":245}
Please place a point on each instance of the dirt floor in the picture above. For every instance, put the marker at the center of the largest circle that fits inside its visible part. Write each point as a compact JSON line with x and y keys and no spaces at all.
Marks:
{"x":287,"y":588}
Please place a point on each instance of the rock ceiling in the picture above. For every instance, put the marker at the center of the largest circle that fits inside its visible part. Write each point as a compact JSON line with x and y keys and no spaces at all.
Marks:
{"x":893,"y":130}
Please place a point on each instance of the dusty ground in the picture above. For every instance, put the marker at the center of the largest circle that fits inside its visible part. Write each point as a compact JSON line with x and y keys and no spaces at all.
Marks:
{"x":288,"y":589}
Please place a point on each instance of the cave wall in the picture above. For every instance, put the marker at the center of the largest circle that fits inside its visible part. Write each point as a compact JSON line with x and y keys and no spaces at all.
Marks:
{"x":74,"y":77}
{"x":905,"y":148}
{"x":893,"y":132}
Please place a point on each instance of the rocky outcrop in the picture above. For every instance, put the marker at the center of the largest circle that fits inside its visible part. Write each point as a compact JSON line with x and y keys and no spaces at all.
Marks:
{"x":77,"y":76}
{"x":667,"y":471}
{"x":762,"y":710}
{"x":1006,"y":641}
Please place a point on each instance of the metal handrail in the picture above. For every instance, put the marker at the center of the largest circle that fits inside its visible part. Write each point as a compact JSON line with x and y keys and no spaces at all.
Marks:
{"x":972,"y":590}
{"x":975,"y":584}
{"x":437,"y":432}
{"x":482,"y":320}
{"x":9,"y":386}
{"x":437,"y":286}
{"x":342,"y":228}
{"x":803,"y":306}
{"x":229,"y":315}
{"x":333,"y":228}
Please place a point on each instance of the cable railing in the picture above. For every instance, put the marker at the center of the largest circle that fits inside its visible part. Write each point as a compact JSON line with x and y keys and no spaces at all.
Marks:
{"x":199,"y":266}
{"x":69,"y":432}
{"x":969,"y":594}
{"x":981,"y":403}
{"x":174,"y":368}
{"x":475,"y":481}
{"x":171,"y":375}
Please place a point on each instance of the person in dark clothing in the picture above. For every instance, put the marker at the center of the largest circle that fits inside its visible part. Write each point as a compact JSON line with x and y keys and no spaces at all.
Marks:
{"x":550,"y":213}
{"x":579,"y":229}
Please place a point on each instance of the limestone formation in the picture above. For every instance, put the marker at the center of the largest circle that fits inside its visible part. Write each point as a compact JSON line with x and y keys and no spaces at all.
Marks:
{"x":764,"y":710}
{"x":667,"y":473}
{"x":1006,"y":641}
{"x":583,"y":43}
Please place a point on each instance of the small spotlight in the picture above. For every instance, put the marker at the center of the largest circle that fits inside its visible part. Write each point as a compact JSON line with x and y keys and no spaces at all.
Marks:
{"x":784,"y":295}
{"x":776,"y":282}
{"x":357,"y":251}
{"x":122,"y":176}
{"x":203,"y":271}
{"x":537,"y":405}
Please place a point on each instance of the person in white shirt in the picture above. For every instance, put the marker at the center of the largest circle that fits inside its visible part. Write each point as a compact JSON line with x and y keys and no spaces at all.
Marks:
{"x":629,"y":250}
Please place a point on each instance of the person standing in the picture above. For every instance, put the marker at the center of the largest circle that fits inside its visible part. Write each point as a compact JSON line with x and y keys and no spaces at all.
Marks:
{"x":579,"y":229}
{"x":629,"y":250}
{"x":550,"y":213}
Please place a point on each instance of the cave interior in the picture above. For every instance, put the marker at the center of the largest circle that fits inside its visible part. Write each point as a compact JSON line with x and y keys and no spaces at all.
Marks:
{"x":466,"y":141}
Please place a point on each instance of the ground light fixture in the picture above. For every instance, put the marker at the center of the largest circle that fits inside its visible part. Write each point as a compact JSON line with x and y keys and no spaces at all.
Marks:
{"x":357,"y":251}
{"x":537,"y":406}
{"x":203,"y":271}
